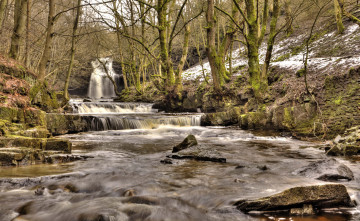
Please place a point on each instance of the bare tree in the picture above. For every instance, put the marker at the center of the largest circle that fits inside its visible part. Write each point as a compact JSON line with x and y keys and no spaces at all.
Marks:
{"x":73,"y":49}
{"x":19,"y":28}
{"x":49,"y":36}
{"x":217,"y":54}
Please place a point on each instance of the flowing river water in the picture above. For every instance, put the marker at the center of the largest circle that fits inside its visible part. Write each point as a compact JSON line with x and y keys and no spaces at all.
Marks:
{"x":126,"y":181}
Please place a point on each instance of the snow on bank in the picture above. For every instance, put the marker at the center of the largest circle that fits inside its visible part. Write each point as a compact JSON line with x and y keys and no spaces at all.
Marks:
{"x":330,"y":52}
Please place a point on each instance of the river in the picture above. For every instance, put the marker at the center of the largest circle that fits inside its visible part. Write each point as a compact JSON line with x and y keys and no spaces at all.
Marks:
{"x":124,"y":179}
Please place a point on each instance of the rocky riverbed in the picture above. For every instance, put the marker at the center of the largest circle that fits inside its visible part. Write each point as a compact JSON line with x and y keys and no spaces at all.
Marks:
{"x":126,"y":181}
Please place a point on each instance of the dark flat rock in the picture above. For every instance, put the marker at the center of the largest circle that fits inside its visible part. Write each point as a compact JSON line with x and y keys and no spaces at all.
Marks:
{"x":319,"y":196}
{"x":199,"y":153}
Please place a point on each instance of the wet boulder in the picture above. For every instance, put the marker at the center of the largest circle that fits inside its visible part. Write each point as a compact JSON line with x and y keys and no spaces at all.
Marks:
{"x":199,"y":153}
{"x":334,"y":151}
{"x":327,"y":170}
{"x":189,"y":141}
{"x":318,"y":196}
{"x":348,"y":145}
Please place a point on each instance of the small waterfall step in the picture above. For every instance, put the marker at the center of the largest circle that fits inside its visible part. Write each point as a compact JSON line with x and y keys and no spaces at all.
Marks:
{"x":107,"y":107}
{"x":124,"y":122}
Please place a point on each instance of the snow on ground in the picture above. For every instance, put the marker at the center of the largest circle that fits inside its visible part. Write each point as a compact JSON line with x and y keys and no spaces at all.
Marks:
{"x":330,"y":52}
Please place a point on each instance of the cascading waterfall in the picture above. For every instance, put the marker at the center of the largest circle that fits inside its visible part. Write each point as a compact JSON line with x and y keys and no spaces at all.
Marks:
{"x":111,"y":107}
{"x":106,"y":115}
{"x":100,"y":85}
{"x":140,"y":122}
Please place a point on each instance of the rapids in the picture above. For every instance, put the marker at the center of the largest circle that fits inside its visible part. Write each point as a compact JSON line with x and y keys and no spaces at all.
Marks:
{"x":126,"y":181}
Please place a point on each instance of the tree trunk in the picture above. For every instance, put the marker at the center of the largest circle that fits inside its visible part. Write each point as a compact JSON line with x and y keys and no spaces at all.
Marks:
{"x":3,"y":4}
{"x":136,"y":71}
{"x":166,"y":64}
{"x":73,"y":49}
{"x":143,"y":62}
{"x":49,"y":36}
{"x":256,"y":32}
{"x":185,"y":51}
{"x":19,"y":28}
{"x":217,"y":57}
{"x":271,"y":40}
{"x":211,"y":44}
{"x":346,"y":13}
{"x":27,"y":54}
{"x":338,"y":16}
{"x":288,"y":19}
{"x":253,"y":47}
{"x":118,"y":35}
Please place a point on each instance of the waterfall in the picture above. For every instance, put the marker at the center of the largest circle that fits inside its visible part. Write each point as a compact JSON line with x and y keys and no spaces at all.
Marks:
{"x":104,"y":107}
{"x":100,"y":85}
{"x":107,"y":115}
{"x":123,"y":123}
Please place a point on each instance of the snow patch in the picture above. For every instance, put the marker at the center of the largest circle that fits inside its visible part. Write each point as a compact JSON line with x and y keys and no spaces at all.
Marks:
{"x":320,"y":58}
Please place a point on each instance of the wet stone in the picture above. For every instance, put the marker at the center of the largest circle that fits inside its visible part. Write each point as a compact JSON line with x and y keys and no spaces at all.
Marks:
{"x":334,"y":151}
{"x":263,"y":168}
{"x":166,"y":161}
{"x":188,"y":142}
{"x":319,"y":196}
{"x":307,"y":209}
{"x":327,"y":170}
{"x":199,"y":153}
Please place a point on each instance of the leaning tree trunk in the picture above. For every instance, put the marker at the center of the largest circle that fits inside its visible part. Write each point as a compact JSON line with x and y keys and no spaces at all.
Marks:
{"x":73,"y":50}
{"x":185,"y":51}
{"x":338,"y":16}
{"x":19,"y":28}
{"x":271,"y":40}
{"x":49,"y":36}
{"x":346,"y":13}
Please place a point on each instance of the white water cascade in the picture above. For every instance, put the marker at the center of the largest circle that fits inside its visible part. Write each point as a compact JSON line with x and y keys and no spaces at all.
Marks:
{"x":100,"y":85}
{"x":102,"y":107}
{"x":105,"y":114}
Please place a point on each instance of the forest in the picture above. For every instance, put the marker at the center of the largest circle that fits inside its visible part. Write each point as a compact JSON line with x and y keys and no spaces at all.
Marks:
{"x":179,"y":110}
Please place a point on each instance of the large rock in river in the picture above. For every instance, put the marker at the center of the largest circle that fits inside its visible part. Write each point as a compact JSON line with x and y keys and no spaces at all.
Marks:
{"x":327,"y":170}
{"x":200,"y":153}
{"x":320,"y":196}
{"x":189,"y":141}
{"x":189,"y":149}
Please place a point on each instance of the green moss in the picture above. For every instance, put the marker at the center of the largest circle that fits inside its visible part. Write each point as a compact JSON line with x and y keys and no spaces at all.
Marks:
{"x":43,"y":98}
{"x":300,"y":72}
{"x":282,"y":57}
{"x":289,"y":121}
{"x":338,"y":100}
{"x":306,"y":127}
{"x":297,"y":49}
